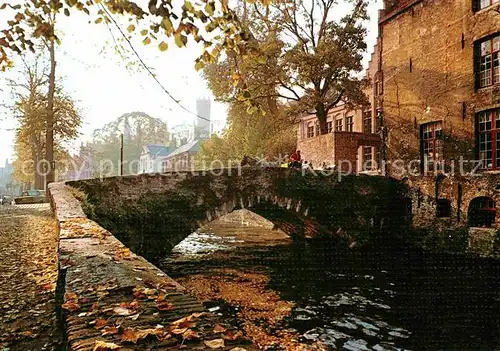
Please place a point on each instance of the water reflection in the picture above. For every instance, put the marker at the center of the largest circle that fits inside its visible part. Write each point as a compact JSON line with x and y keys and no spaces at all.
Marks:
{"x":357,"y":300}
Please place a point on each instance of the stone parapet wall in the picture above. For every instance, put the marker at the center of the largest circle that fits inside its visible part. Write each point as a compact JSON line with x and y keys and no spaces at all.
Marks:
{"x":336,"y":147}
{"x":109,"y":294}
{"x":318,"y":149}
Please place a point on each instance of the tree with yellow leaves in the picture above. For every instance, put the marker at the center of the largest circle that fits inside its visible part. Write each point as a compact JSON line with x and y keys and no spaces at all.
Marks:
{"x":30,"y":107}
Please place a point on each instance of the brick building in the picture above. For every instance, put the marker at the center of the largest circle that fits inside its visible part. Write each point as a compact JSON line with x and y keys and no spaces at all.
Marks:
{"x":352,"y":134}
{"x":438,"y":81}
{"x":349,"y":138}
{"x":181,"y":159}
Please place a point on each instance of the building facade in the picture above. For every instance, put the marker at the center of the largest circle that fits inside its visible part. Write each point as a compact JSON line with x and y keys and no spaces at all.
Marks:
{"x":152,"y":157}
{"x":437,"y":89}
{"x":350,"y":144}
{"x":182,"y":159}
{"x":6,"y":181}
{"x":353,"y":140}
{"x":81,"y":166}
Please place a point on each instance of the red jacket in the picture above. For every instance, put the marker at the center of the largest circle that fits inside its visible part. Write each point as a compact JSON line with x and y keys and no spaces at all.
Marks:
{"x":295,"y":157}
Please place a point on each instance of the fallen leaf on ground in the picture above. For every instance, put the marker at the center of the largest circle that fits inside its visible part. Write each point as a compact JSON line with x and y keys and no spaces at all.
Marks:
{"x":161,"y":296}
{"x":122,"y":311}
{"x":110,"y":330}
{"x":131,"y":305}
{"x":94,"y":307}
{"x":219,"y":329}
{"x":149,"y":291}
{"x":122,"y":254}
{"x":100,"y":323}
{"x":129,"y":335}
{"x":158,"y":332}
{"x":104,"y":346}
{"x":48,"y":287}
{"x":238,"y":349}
{"x":178,"y":331}
{"x":83,"y":300}
{"x":190,"y":335}
{"x":215,"y":344}
{"x":70,"y":296}
{"x":134,"y":317}
{"x":229,"y":335}
{"x":184,"y":322}
{"x":70,"y":306}
{"x":165,"y":306}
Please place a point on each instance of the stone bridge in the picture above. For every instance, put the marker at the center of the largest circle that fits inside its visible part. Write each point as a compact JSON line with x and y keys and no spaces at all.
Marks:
{"x":151,"y":213}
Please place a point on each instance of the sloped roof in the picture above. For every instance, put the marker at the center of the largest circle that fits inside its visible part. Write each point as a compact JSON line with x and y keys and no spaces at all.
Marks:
{"x":159,"y":150}
{"x":193,"y":146}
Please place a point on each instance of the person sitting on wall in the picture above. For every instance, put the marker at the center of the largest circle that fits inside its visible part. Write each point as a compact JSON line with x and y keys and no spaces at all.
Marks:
{"x":295,"y":160}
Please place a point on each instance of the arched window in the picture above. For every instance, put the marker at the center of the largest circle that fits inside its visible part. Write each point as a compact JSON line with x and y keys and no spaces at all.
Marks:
{"x":482,"y":212}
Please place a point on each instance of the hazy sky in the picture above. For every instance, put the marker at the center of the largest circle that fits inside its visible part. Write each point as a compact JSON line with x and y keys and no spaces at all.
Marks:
{"x":104,"y":88}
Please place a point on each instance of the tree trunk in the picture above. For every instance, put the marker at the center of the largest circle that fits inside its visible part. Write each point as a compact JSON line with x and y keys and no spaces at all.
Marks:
{"x":39,"y":180}
{"x":49,"y":136}
{"x":273,"y":105}
{"x":321,"y":115}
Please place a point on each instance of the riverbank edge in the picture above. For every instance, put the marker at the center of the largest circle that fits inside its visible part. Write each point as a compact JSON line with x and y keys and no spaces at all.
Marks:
{"x":91,"y":259}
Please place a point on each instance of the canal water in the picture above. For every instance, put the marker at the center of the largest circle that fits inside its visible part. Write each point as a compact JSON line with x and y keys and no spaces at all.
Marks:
{"x":316,"y":296}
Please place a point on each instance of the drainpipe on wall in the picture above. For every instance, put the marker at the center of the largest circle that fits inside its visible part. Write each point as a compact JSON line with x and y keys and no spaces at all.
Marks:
{"x":380,"y":101}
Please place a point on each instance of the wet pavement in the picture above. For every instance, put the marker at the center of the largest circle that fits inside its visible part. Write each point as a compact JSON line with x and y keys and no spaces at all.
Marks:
{"x":28,"y":274}
{"x":293,"y":296}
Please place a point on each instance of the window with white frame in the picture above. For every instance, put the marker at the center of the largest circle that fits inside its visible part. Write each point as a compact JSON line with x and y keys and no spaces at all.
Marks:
{"x":329,"y":126}
{"x":310,"y":131}
{"x":349,"y":123}
{"x":431,"y":141}
{"x":338,"y":125}
{"x":367,"y":158}
{"x":482,"y":4}
{"x":489,"y":61}
{"x":488,"y":138}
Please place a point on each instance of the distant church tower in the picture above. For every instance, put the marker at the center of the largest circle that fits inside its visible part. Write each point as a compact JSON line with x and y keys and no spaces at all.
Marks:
{"x":203,"y":124}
